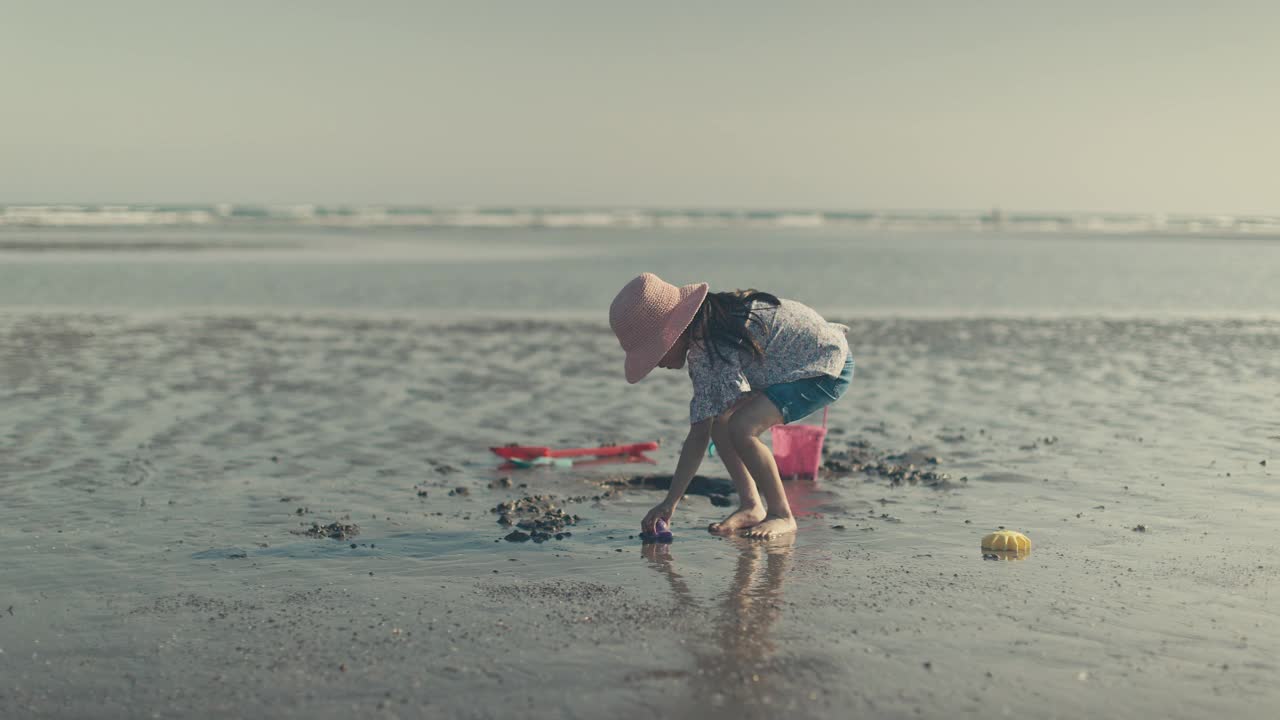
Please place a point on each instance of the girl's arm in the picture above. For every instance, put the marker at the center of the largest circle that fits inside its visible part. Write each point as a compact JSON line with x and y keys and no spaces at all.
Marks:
{"x":691,"y":454}
{"x":695,"y":448}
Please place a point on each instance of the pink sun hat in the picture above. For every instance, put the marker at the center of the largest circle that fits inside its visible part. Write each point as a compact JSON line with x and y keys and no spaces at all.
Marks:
{"x":648,"y":316}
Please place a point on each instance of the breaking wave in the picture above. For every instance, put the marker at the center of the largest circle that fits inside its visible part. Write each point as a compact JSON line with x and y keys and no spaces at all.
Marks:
{"x":374,"y":216}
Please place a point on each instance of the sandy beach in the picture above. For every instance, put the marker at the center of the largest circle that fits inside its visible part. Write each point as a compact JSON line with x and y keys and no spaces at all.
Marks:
{"x":279,"y":281}
{"x":160,"y":473}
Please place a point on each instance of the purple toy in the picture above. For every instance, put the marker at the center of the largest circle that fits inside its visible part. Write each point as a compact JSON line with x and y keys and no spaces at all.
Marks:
{"x":660,"y":534}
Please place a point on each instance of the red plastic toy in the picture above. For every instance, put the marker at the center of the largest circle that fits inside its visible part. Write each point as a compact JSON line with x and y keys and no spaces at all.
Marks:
{"x":531,"y":452}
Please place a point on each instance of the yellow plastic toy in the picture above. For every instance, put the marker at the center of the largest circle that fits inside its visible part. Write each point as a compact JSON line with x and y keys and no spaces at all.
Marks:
{"x":1008,"y":541}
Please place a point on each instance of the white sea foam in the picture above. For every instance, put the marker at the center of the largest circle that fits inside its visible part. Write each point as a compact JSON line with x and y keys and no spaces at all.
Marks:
{"x":375,"y":216}
{"x":102,"y":216}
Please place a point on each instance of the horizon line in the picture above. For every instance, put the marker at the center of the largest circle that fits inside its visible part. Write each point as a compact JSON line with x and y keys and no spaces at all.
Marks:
{"x":991,"y":210}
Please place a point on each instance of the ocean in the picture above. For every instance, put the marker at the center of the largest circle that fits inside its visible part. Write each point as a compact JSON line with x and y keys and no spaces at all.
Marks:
{"x":569,"y":262}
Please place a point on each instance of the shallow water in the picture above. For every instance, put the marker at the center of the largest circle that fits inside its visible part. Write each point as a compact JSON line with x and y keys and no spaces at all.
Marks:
{"x":574,"y":272}
{"x":171,"y":398}
{"x":142,"y":451}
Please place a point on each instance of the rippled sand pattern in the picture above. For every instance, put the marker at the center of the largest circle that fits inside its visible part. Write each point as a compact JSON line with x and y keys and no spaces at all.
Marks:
{"x":152,"y":470}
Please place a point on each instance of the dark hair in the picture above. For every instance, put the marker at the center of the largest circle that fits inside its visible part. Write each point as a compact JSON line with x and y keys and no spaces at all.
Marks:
{"x":723,"y":322}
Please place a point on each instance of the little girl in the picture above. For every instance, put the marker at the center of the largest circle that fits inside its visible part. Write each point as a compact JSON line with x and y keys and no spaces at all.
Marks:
{"x":755,"y":360}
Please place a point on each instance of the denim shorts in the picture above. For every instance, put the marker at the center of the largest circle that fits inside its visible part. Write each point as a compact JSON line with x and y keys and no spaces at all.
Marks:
{"x":801,"y":398}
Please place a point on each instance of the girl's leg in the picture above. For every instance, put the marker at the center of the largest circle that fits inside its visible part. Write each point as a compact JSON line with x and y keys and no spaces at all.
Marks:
{"x":748,"y":421}
{"x":750,"y":510}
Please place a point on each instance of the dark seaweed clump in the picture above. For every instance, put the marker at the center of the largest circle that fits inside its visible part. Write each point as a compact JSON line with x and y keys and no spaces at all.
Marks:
{"x":913,"y":467}
{"x":334,"y":530}
{"x":700,"y":485}
{"x":536,"y":518}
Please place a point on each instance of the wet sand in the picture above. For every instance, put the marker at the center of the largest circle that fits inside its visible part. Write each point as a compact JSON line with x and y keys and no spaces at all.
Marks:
{"x":162,"y":477}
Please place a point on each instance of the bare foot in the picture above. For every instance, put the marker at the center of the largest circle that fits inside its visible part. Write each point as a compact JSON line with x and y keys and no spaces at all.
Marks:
{"x":772,"y":527}
{"x":744,"y":517}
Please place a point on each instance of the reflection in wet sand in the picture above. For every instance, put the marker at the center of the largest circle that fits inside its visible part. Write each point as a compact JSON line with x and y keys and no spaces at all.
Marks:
{"x":734,"y":665}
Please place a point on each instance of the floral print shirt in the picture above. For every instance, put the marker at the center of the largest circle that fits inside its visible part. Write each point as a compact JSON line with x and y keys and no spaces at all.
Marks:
{"x":797,"y":344}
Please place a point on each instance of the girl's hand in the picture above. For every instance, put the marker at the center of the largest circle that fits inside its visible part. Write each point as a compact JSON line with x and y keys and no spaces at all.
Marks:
{"x":661,"y":511}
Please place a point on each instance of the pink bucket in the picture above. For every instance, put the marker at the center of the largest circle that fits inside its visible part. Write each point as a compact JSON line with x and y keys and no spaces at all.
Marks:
{"x":798,"y":448}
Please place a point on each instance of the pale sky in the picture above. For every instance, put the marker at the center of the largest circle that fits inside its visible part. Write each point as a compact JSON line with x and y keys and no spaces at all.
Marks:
{"x":1122,"y":105}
